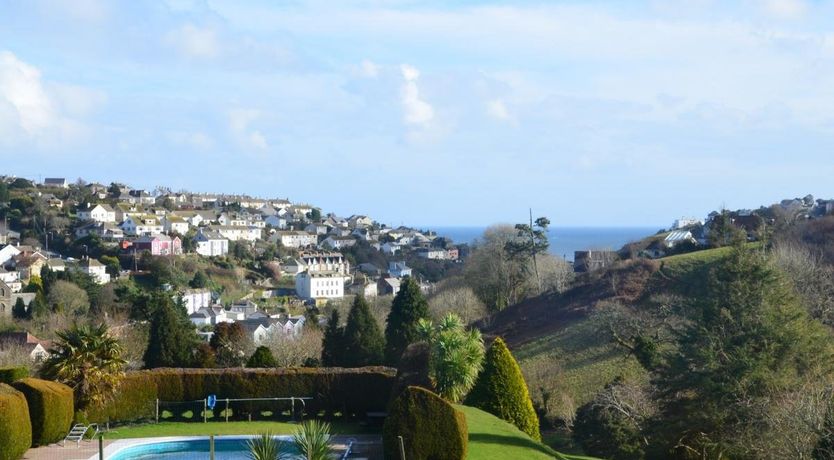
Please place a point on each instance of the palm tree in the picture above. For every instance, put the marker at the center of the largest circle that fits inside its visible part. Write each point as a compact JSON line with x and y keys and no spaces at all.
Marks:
{"x":267,"y":447}
{"x":456,"y":355}
{"x":312,"y":439}
{"x":88,"y":359}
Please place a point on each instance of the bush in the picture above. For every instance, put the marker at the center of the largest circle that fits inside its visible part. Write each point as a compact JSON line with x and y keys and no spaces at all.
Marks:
{"x":12,"y":374}
{"x":432,"y":429}
{"x":348,"y":391}
{"x":51,"y":409}
{"x":501,"y":391}
{"x":15,"y":426}
{"x":607,"y":434}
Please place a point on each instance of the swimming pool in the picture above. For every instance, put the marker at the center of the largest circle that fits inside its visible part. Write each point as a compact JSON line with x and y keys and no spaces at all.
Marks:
{"x":187,"y":449}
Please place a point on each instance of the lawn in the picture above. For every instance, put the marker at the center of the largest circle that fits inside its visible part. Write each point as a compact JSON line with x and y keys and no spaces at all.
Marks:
{"x":153,"y":430}
{"x":492,"y":438}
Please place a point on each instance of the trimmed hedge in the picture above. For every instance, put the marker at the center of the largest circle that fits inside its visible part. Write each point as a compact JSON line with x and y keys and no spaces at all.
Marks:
{"x":15,"y":426}
{"x":432,"y":429}
{"x":351,"y":392}
{"x":502,"y":391}
{"x":51,"y":409}
{"x":12,"y":374}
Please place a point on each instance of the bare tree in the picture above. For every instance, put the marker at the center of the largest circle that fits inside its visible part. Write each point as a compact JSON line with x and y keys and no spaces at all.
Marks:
{"x":451,"y":297}
{"x":290,"y":350}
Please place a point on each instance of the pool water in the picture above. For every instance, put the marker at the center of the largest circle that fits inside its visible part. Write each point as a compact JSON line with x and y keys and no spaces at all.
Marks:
{"x":225,"y":449}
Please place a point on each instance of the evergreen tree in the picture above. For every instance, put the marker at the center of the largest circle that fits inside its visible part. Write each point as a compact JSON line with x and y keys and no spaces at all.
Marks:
{"x":199,"y":281}
{"x":502,"y":391}
{"x":172,"y":336}
{"x":332,"y":350}
{"x":262,"y":357}
{"x":363,"y":341}
{"x":747,"y":340}
{"x":19,"y":309}
{"x":408,"y":308}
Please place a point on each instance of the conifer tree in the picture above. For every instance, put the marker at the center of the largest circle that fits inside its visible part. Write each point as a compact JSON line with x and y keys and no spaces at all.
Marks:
{"x":332,"y":350}
{"x":262,"y":357}
{"x":19,"y":309}
{"x":172,"y":337}
{"x":363,"y":341}
{"x":502,"y":391}
{"x":408,"y":308}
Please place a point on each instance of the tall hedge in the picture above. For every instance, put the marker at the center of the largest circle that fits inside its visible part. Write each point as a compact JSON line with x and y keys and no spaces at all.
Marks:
{"x":51,"y":409}
{"x":11,"y":374}
{"x":501,"y":390}
{"x":348,"y":391}
{"x":432,"y":429}
{"x":15,"y":426}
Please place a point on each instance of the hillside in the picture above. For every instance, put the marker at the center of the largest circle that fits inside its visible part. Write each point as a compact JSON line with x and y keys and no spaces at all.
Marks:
{"x":559,"y":343}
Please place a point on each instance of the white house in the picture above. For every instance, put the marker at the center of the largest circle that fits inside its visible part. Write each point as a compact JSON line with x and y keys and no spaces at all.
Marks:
{"x":144,"y":225}
{"x":172,"y":223}
{"x":329,"y":262}
{"x":292,"y":239}
{"x":338,"y":242}
{"x":684,"y":222}
{"x":96,"y":270}
{"x":320,"y":285}
{"x":7,"y":253}
{"x":210,"y":244}
{"x":360,"y":221}
{"x":235,"y":233}
{"x":276,"y":221}
{"x":195,"y":299}
{"x":98,"y":213}
{"x":391,"y":248}
{"x":210,"y":316}
{"x":398,"y":269}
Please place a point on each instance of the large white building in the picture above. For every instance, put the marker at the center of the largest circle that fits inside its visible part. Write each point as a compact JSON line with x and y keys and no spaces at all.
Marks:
{"x":234,"y":233}
{"x":316,"y":261}
{"x":321,"y":285}
{"x":195,"y":299}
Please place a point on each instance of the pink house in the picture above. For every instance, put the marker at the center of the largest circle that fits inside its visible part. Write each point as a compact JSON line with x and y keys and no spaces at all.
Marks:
{"x":159,"y":245}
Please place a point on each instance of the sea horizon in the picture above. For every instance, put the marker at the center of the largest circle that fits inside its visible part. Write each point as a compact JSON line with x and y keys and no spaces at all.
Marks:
{"x":564,"y":240}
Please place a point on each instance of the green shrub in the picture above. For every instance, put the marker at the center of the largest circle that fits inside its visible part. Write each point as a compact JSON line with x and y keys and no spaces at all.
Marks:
{"x":11,"y":374}
{"x":15,"y":426}
{"x":501,"y":391}
{"x":432,"y":429}
{"x":51,"y":409}
{"x":347,"y":391}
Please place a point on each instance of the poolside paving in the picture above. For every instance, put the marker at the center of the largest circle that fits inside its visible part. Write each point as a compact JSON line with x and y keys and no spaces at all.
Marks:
{"x":70,"y":451}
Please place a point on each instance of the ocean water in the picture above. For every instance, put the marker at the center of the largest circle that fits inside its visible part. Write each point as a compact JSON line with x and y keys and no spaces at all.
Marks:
{"x":564,"y":240}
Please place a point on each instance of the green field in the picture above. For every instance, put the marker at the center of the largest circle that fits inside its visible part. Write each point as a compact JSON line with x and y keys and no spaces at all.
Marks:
{"x":491,"y":438}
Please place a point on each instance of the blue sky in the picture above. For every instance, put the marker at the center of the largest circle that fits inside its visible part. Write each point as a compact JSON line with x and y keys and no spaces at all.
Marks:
{"x":603,"y":113}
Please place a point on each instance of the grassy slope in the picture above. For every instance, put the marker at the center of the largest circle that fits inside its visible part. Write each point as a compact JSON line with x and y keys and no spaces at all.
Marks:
{"x":492,"y":438}
{"x":586,"y":361}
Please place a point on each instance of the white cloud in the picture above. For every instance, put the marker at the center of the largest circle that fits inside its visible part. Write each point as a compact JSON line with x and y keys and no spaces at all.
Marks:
{"x":195,"y":139}
{"x":368,"y":69}
{"x":239,"y":124}
{"x":417,"y":111}
{"x":785,"y":9}
{"x":32,"y":110}
{"x":498,"y":110}
{"x":196,"y":42}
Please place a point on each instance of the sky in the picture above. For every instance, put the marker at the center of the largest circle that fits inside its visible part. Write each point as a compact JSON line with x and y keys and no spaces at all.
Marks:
{"x":593,"y":113}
